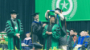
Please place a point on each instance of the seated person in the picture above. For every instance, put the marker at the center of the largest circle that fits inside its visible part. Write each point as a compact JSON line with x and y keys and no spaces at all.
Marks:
{"x":71,"y":40}
{"x":80,"y":40}
{"x":86,"y":43}
{"x":75,"y":37}
{"x":27,"y":42}
{"x":64,"y":41}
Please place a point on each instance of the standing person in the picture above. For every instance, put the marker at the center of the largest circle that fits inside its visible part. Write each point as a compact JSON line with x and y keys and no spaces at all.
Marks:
{"x":68,"y":35}
{"x":51,"y":34}
{"x":37,"y":29}
{"x":14,"y":30}
{"x":60,"y":19}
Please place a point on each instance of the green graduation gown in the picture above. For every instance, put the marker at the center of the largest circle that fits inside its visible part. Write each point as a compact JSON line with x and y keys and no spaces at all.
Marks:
{"x":51,"y":41}
{"x":12,"y":28}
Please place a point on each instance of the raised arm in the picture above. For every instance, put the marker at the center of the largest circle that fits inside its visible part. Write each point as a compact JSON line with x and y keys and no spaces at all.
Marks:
{"x":60,"y":14}
{"x":46,"y":14}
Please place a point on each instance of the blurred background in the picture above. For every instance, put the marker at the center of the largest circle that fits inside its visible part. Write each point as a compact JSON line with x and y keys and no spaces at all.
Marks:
{"x":80,"y":18}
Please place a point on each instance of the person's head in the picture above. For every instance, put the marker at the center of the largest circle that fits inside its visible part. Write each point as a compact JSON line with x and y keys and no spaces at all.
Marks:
{"x":72,"y":32}
{"x":13,"y":14}
{"x":75,"y":33}
{"x":36,"y":16}
{"x":28,"y":34}
{"x":52,"y":18}
{"x":58,"y":9}
{"x":86,"y":33}
{"x":82,"y":33}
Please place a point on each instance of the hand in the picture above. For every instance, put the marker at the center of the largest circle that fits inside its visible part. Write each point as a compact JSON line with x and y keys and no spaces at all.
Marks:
{"x":44,"y":25}
{"x":78,"y":46}
{"x":49,"y":33}
{"x":18,"y":35}
{"x":48,"y":11}
{"x":26,"y":45}
{"x":57,"y":12}
{"x":46,"y":32}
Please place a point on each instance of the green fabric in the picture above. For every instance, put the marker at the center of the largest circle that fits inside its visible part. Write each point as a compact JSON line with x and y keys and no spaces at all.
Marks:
{"x":68,"y":31}
{"x":16,"y":28}
{"x":55,"y":36}
{"x":68,"y":38}
{"x":13,"y":33}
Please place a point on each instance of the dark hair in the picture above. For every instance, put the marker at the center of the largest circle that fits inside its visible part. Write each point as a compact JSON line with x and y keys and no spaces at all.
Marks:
{"x":72,"y":29}
{"x":52,"y":15}
{"x":35,"y":14}
{"x":58,"y":9}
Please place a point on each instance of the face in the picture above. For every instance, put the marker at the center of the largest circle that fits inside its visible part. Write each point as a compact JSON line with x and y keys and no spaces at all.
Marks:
{"x":14,"y":16}
{"x":82,"y":33}
{"x":71,"y":32}
{"x":36,"y":17}
{"x":86,"y":33}
{"x":52,"y":19}
{"x":75,"y":33}
{"x":28,"y":35}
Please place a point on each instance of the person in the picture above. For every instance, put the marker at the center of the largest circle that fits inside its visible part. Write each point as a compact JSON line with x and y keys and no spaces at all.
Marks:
{"x":14,"y":30}
{"x":37,"y":29}
{"x":27,"y":41}
{"x":86,"y":42}
{"x":70,"y":40}
{"x":60,"y":20}
{"x":75,"y":37}
{"x":64,"y":41}
{"x":51,"y":34}
{"x":67,"y":36}
{"x":80,"y":41}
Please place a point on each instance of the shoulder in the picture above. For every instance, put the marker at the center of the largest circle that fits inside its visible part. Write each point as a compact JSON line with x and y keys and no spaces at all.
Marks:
{"x":8,"y":21}
{"x":27,"y":38}
{"x":56,"y":25}
{"x":19,"y":20}
{"x":33,"y":24}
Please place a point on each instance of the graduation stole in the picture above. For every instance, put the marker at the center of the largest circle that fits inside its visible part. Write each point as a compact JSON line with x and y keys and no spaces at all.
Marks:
{"x":86,"y":43}
{"x":37,"y":22}
{"x":14,"y":25}
{"x":81,"y":39}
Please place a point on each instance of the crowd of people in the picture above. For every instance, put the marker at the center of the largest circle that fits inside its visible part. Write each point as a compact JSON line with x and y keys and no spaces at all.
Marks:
{"x":81,"y":42}
{"x":71,"y":41}
{"x":52,"y":35}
